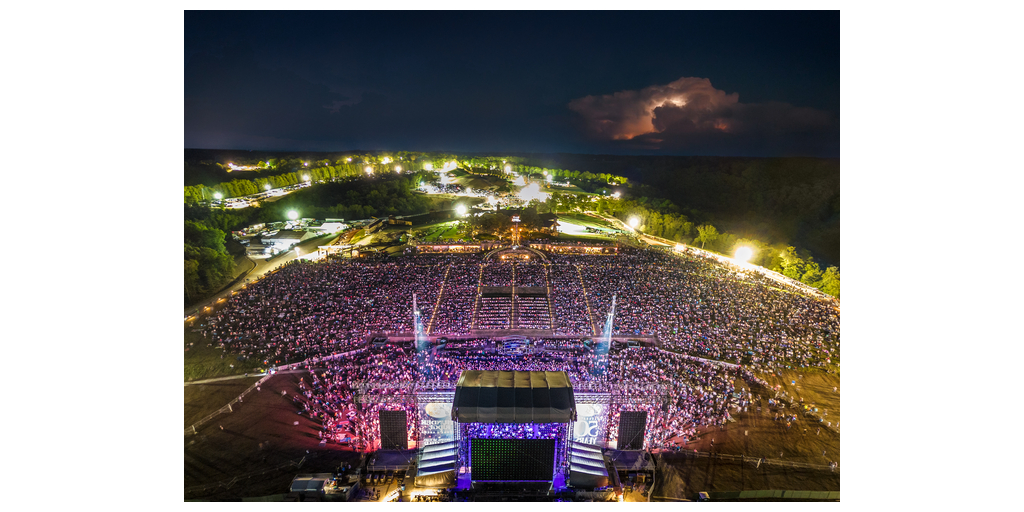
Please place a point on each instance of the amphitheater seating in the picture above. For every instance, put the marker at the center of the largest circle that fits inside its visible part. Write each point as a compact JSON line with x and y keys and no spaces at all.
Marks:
{"x":494,"y":313}
{"x":532,"y":313}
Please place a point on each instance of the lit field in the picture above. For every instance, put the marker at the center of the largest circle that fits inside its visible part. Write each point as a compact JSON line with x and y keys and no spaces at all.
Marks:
{"x":479,"y":182}
{"x":440,"y":230}
{"x":567,"y":190}
{"x":583,"y":237}
{"x":585,"y":221}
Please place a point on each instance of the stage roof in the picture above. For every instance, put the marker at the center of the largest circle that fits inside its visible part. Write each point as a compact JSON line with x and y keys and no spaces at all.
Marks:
{"x":513,"y":397}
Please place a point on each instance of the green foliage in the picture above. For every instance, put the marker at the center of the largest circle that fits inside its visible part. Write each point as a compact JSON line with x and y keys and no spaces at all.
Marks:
{"x":830,"y":282}
{"x":706,"y":233}
{"x":355,"y":198}
{"x":207,"y":263}
{"x":491,"y":222}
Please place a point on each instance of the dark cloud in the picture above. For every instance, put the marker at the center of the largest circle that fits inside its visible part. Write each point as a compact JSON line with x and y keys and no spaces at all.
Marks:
{"x":689,"y":114}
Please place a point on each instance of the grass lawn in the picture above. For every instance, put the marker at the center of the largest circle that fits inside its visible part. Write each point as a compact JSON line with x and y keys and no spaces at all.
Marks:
{"x":586,"y":221}
{"x":582,"y":238}
{"x":568,"y":190}
{"x":202,"y":362}
{"x":441,"y":230}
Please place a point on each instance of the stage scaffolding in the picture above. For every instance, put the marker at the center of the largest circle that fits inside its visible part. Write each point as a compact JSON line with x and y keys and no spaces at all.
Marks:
{"x":615,"y":396}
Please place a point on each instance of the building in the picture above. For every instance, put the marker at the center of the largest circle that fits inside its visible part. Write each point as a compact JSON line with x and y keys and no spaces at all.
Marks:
{"x":285,"y":239}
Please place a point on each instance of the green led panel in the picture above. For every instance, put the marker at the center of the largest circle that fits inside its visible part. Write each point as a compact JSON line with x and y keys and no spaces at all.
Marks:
{"x":512,"y":459}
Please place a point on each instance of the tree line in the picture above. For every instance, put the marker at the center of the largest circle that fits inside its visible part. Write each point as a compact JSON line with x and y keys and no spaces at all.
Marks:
{"x":780,"y":257}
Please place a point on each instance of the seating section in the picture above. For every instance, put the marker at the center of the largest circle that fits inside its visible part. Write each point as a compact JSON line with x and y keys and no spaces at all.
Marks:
{"x":494,"y":313}
{"x":530,"y":274}
{"x":567,"y":299}
{"x":497,"y":274}
{"x":455,"y":312}
{"x":532,"y":312}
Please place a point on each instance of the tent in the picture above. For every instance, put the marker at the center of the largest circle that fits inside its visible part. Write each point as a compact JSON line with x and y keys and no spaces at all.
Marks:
{"x":310,"y":482}
{"x":513,"y":397}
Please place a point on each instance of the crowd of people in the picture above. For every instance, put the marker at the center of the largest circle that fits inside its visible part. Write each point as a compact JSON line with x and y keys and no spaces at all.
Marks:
{"x":699,"y":310}
{"x":532,"y":274}
{"x":531,"y":312}
{"x":454,"y":315}
{"x":568,"y":298}
{"x":698,"y":306}
{"x":494,"y":312}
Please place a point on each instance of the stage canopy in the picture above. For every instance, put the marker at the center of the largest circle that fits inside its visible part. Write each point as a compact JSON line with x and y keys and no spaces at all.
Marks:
{"x":513,"y":397}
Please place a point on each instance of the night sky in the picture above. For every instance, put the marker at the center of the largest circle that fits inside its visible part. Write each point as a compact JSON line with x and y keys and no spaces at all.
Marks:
{"x":673,"y":83}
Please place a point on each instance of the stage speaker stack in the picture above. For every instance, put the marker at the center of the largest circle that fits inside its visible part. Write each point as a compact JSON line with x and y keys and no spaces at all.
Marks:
{"x":393,"y":431}
{"x":632,"y":425}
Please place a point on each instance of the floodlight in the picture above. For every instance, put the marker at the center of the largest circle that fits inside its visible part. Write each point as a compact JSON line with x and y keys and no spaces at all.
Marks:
{"x":743,"y":254}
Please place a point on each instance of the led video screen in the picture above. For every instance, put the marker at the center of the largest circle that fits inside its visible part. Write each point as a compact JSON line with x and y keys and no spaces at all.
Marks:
{"x":512,"y":459}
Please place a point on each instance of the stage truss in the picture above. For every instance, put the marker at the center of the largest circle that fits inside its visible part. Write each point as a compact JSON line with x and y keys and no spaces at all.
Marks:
{"x":614,"y":396}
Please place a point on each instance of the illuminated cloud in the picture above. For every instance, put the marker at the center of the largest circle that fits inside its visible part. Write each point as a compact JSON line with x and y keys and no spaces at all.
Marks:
{"x":628,"y":114}
{"x":691,"y":113}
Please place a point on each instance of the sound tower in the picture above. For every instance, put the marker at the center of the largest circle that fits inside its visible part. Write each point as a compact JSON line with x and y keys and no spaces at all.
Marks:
{"x":393,"y":431}
{"x":632,"y":425}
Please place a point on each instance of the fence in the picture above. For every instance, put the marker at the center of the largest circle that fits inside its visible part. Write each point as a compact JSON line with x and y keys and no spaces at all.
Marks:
{"x":754,"y":461}
{"x":774,"y":495}
{"x":193,"y":428}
